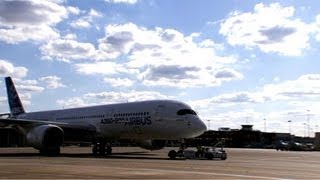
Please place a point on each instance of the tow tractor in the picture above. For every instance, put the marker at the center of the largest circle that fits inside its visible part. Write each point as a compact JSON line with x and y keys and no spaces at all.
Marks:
{"x":202,"y":152}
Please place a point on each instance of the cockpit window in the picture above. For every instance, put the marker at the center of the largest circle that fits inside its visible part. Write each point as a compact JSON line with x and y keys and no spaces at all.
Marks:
{"x":186,"y":111}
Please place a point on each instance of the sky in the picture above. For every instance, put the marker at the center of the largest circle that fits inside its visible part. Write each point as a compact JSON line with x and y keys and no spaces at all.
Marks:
{"x":235,"y":62}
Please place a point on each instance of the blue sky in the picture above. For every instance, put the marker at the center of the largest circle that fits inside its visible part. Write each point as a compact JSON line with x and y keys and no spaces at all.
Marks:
{"x":234,"y":61}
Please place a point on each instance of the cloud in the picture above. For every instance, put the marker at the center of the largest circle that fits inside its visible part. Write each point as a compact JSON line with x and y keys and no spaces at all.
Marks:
{"x":29,"y":20}
{"x":29,"y":88}
{"x":53,"y":82}
{"x":110,"y":97}
{"x":229,"y":99}
{"x":125,"y":96}
{"x":228,"y":74}
{"x":122,"y":1}
{"x":72,"y":102}
{"x":105,"y":68}
{"x":87,"y":20}
{"x":118,"y":82}
{"x":306,"y":86}
{"x":317,"y":27}
{"x":73,"y":10}
{"x":166,"y":57}
{"x":271,"y":28}
{"x":182,"y":77}
{"x":277,"y":102}
{"x":8,"y":69}
{"x":170,"y":72}
{"x":156,"y":57}
{"x":276,"y":34}
{"x":67,"y":49}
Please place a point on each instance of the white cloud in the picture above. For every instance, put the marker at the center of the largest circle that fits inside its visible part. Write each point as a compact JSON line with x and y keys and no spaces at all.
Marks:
{"x":122,"y":1}
{"x":166,"y":57}
{"x":70,"y":36}
{"x":304,"y":88}
{"x":8,"y":69}
{"x":277,"y":102}
{"x":116,"y":97}
{"x":317,"y":27}
{"x":67,"y":49}
{"x":156,"y":57}
{"x":53,"y":82}
{"x":271,"y":28}
{"x":106,"y":68}
{"x":87,"y":20}
{"x":29,"y":20}
{"x":110,"y":97}
{"x":29,"y":88}
{"x":73,"y":10}
{"x":72,"y":102}
{"x":118,"y":82}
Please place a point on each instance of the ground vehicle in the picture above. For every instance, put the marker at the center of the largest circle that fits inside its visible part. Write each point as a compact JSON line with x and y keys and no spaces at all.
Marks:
{"x":201,"y":153}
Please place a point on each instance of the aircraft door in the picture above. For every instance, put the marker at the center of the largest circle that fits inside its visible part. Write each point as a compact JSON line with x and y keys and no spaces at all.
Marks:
{"x":110,"y":113}
{"x":159,"y":113}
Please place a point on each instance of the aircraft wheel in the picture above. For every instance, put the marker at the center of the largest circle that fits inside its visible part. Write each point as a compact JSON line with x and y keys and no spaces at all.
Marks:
{"x":172,"y":154}
{"x":50,"y":152}
{"x":95,"y":150}
{"x":209,"y":156}
{"x":102,"y":149}
{"x":109,"y":150}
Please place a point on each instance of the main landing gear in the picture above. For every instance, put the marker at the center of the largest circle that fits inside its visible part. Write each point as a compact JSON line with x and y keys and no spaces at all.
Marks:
{"x":50,"y":151}
{"x":173,"y":154}
{"x":100,"y":149}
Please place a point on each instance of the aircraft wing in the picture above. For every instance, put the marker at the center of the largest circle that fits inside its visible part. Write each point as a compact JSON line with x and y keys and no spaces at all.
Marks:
{"x":10,"y":122}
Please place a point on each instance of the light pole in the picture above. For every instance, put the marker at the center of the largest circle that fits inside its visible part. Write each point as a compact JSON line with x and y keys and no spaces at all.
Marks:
{"x":289,"y":126}
{"x":308,"y":121}
{"x":208,"y":124}
{"x":265,"y":125}
{"x":304,"y":129}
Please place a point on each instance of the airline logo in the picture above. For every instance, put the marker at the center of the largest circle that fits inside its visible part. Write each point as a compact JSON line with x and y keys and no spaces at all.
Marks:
{"x":129,"y":121}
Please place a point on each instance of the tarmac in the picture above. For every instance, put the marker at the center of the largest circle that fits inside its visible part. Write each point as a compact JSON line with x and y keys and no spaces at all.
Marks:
{"x":133,"y":162}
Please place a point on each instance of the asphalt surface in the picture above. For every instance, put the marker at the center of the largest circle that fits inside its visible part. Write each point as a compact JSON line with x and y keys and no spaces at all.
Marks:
{"x":132,"y":162}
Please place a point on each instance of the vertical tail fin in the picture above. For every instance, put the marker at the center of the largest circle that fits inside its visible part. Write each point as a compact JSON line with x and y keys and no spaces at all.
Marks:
{"x":14,"y":101}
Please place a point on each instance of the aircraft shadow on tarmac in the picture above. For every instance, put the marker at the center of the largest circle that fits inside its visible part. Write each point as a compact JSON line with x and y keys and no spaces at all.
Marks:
{"x":122,"y":155}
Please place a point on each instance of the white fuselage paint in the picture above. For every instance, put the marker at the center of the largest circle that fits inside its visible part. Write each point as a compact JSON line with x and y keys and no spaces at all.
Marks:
{"x":157,"y":119}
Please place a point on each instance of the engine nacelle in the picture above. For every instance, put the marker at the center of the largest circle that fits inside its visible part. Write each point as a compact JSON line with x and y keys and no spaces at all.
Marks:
{"x":45,"y":137}
{"x":151,"y":144}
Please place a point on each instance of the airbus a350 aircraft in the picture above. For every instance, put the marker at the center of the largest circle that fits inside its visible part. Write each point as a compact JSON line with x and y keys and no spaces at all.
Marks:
{"x":149,"y":123}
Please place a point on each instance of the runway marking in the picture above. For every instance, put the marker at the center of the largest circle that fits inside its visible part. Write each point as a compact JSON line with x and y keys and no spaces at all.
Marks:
{"x":200,"y":173}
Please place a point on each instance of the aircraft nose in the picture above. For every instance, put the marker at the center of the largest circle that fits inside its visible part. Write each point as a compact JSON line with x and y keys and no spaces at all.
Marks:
{"x":200,"y":127}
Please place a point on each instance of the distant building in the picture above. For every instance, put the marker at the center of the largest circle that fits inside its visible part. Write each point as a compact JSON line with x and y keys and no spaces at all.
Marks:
{"x":247,"y":137}
{"x":224,"y":129}
{"x":317,"y":139}
{"x":247,"y":127}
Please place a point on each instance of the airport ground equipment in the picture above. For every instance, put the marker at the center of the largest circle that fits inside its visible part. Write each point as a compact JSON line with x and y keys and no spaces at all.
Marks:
{"x":201,"y":153}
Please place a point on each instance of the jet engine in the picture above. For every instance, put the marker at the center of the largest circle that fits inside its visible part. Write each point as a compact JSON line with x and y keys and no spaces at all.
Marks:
{"x":45,"y":137}
{"x":152,"y":144}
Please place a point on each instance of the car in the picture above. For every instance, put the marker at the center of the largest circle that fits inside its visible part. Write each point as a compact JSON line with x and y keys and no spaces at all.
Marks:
{"x":201,"y":153}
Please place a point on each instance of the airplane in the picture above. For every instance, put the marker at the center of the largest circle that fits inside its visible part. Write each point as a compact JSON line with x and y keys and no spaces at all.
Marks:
{"x":150,"y":124}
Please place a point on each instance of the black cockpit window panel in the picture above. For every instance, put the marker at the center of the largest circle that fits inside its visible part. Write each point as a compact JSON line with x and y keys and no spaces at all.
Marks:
{"x":186,"y":111}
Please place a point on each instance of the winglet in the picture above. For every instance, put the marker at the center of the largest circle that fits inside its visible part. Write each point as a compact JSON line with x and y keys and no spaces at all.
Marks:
{"x":14,"y":101}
